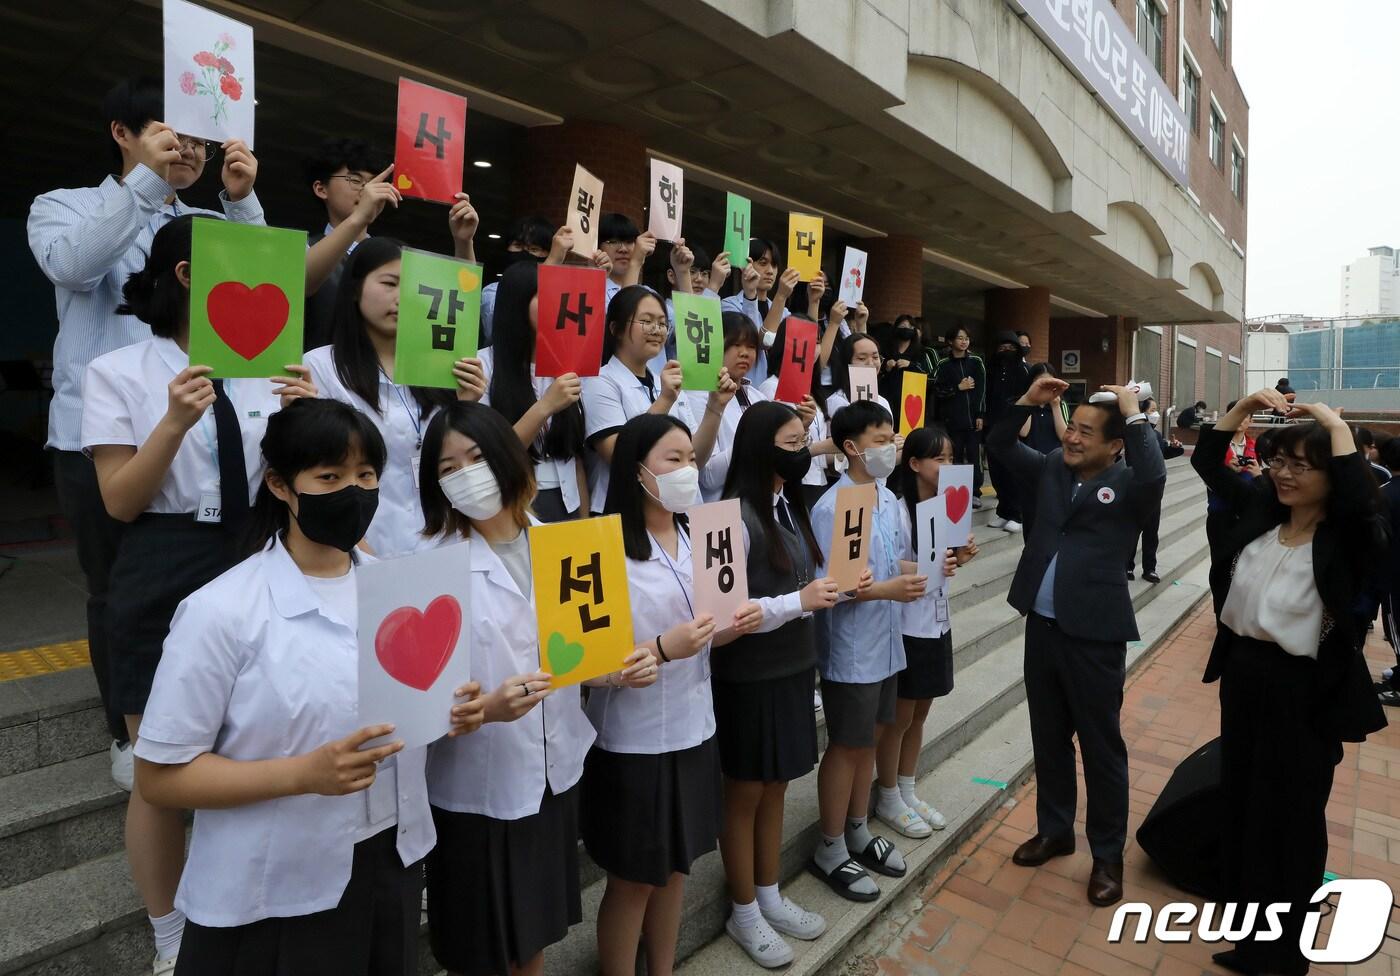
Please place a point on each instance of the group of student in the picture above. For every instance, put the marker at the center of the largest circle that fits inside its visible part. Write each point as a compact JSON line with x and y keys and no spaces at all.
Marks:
{"x":221,"y":524}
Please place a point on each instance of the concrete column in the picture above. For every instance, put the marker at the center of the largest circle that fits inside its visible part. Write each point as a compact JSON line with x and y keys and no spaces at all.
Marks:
{"x":615,"y":155}
{"x":1022,"y":310}
{"x":896,"y":272}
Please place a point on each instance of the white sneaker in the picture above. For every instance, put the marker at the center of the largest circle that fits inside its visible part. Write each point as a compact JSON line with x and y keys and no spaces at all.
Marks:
{"x":163,"y":967}
{"x":905,"y":820}
{"x":796,"y":922}
{"x":816,"y":701}
{"x":996,"y":522}
{"x":928,"y":814}
{"x":763,"y":945}
{"x":1012,"y":526}
{"x":976,"y":502}
{"x":123,"y":765}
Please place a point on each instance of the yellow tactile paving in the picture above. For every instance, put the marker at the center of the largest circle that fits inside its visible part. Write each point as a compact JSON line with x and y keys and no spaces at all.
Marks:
{"x":30,"y":661}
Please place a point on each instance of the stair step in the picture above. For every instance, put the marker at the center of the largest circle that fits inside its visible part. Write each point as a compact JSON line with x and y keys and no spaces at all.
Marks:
{"x":57,"y":816}
{"x":50,"y":718}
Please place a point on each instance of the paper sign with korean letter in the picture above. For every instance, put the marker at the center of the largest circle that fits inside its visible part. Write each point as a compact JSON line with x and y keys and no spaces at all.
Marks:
{"x":414,"y":633}
{"x":439,"y":314}
{"x":584,"y":206}
{"x":430,"y":142}
{"x":569,"y":336}
{"x":699,"y":340}
{"x":850,"y":535}
{"x":667,"y":197}
{"x":719,"y":566}
{"x":208,"y":74}
{"x":799,"y":360}
{"x":805,"y":245}
{"x":582,"y":605}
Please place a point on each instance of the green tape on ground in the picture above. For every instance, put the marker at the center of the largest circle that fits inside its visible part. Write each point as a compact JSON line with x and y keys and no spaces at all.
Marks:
{"x":1176,"y":582}
{"x":1328,"y":876}
{"x":989,"y":782}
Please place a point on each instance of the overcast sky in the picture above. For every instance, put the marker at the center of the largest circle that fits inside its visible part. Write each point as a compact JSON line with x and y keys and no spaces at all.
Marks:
{"x":1324,"y":143}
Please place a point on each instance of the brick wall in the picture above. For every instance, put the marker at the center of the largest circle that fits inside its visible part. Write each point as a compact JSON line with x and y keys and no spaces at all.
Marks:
{"x":896,"y":285}
{"x":1098,"y":366}
{"x":1209,"y":184}
{"x":1021,"y":310}
{"x":615,"y":155}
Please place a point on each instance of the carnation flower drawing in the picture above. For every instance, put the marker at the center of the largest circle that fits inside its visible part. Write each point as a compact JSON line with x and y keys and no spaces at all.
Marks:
{"x":215,"y":79}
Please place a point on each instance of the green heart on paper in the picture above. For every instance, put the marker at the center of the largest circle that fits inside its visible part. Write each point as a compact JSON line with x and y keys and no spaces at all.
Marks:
{"x":563,"y":655}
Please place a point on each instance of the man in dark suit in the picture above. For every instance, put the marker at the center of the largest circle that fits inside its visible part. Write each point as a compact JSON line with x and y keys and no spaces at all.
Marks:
{"x":1087,"y":507}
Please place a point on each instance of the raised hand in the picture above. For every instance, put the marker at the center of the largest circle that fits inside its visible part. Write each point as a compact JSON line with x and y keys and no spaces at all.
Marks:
{"x":563,"y":393}
{"x":157,"y":147}
{"x":471,"y":378}
{"x":463,"y":221}
{"x":374,"y":197}
{"x":296,"y":385}
{"x":189,"y":394}
{"x":240,"y":169}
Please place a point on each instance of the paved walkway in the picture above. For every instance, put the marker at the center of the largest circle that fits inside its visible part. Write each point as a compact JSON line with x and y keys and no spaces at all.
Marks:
{"x":982,"y":915}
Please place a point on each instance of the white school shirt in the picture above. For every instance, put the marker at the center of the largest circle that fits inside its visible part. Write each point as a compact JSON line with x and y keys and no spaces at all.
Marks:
{"x":675,"y":712}
{"x":840,"y":399}
{"x":818,"y":430}
{"x":717,"y":467}
{"x":397,"y":528}
{"x":1273,"y":596}
{"x":549,"y":472}
{"x":501,"y":770}
{"x":610,"y":399}
{"x":746,"y":306}
{"x":88,"y":241}
{"x":126,"y":395}
{"x":257,"y":667}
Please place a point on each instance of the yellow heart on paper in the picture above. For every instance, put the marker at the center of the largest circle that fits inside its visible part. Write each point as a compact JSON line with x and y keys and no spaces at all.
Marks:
{"x":468,"y":279}
{"x":403,"y":182}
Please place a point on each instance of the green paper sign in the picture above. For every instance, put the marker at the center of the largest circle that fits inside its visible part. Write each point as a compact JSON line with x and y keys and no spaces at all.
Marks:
{"x":439,"y":318}
{"x":738,"y":228}
{"x":699,"y":340}
{"x":247,"y":298}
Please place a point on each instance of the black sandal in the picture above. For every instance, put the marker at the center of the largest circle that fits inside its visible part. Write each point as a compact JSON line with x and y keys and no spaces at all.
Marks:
{"x":847,"y":873}
{"x":1389,"y":697}
{"x":876,"y":857}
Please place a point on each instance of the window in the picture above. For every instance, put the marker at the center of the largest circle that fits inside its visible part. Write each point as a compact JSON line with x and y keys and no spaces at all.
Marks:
{"x":1149,"y":31}
{"x":1193,"y":98}
{"x":1237,"y":172}
{"x":1217,"y":139}
{"x":1212,"y":396}
{"x":1147,"y":357}
{"x":1218,"y":13}
{"x":1184,"y":378}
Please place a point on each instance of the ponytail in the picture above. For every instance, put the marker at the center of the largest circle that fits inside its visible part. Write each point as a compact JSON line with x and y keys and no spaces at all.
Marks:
{"x":155,"y":294}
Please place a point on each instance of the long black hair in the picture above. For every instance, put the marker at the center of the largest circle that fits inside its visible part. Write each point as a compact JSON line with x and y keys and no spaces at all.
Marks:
{"x":626,"y":496}
{"x":841,"y":360}
{"x":775,"y":354}
{"x":922,"y":443}
{"x":305,"y":434}
{"x":512,"y":353}
{"x":500,"y":449}
{"x":751,"y":481}
{"x":621,"y":311}
{"x":154,"y":294}
{"x":915,"y":352}
{"x":356,"y":362}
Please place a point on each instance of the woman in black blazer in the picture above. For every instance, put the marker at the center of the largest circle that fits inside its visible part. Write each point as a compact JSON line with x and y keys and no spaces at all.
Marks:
{"x":1294,"y":683}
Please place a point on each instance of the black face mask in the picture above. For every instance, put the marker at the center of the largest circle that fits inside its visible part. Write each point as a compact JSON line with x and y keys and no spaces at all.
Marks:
{"x":515,"y":257}
{"x":905,"y":333}
{"x":791,"y":466}
{"x":337,"y":518}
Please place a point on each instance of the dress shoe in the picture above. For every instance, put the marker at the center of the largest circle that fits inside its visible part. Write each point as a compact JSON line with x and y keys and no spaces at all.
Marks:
{"x":1105,"y":883}
{"x":1152,"y":577}
{"x":1039,"y":849}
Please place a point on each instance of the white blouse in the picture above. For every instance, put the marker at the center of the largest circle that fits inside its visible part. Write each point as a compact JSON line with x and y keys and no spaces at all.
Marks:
{"x":717,"y":467}
{"x":549,"y":472}
{"x":1273,"y":596}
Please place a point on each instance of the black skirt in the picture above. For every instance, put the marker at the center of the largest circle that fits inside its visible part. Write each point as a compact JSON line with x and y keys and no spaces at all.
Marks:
{"x":928,"y":671}
{"x":372,"y":932}
{"x":500,"y":891}
{"x":767,"y":730}
{"x":162,"y":560}
{"x":645,"y":817}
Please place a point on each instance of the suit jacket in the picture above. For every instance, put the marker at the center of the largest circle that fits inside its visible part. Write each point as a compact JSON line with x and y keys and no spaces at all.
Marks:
{"x":1093,"y":532}
{"x":1348,"y":545}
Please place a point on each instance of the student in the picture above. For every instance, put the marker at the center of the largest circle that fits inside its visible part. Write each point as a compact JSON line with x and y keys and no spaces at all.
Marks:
{"x":88,"y":242}
{"x":626,"y":247}
{"x":960,"y":388}
{"x":337,"y":174}
{"x":545,"y":412}
{"x":358,"y":368}
{"x":928,"y":648}
{"x":818,"y":436}
{"x":690,"y":272}
{"x":1007,"y":379}
{"x":503,"y":879}
{"x":530,"y":239}
{"x":625,"y":387}
{"x":651,"y":784}
{"x":1045,"y":427}
{"x":763,"y":682}
{"x":741,"y":345}
{"x":306,"y":855}
{"x":903,"y":353}
{"x":181,"y":475}
{"x":860,"y":655}
{"x":857,"y":349}
{"x":762,"y":296}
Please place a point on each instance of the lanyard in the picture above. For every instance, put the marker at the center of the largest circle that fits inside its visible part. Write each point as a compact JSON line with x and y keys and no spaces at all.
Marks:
{"x":672,"y":567}
{"x":413,"y":417}
{"x":884,"y":538}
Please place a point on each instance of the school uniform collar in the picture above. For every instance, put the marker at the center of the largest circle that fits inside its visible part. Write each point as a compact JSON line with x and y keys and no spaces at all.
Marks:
{"x":292,"y":595}
{"x":485,"y":560}
{"x":682,"y":547}
{"x":171,"y":354}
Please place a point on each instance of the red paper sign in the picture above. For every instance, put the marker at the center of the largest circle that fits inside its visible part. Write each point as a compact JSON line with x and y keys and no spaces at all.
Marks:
{"x":799,"y":360}
{"x":431,"y":142}
{"x":569,"y":333}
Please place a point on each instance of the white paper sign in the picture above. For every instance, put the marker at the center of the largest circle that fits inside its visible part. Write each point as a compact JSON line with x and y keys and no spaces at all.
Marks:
{"x":414,"y":627}
{"x":864,"y":380}
{"x":208,"y":74}
{"x":955,"y":484}
{"x":933,"y":525}
{"x":664,"y":212}
{"x":852,"y":277}
{"x":585,"y":206}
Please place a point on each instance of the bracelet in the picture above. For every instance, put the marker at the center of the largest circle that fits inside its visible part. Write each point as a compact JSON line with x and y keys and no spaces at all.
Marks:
{"x":660,"y":651}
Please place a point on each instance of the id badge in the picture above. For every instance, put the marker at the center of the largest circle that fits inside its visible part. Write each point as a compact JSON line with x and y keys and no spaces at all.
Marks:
{"x":210,"y":506}
{"x":416,"y":461}
{"x":940,"y":609}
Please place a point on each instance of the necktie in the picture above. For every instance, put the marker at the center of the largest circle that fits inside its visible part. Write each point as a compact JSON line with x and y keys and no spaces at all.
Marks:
{"x":743,"y":397}
{"x":785,"y":517}
{"x":763,"y":308}
{"x":233,"y":470}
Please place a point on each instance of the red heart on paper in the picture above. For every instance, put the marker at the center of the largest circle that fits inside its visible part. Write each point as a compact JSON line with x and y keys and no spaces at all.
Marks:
{"x":958,"y":500}
{"x":913,"y":409}
{"x":247,"y":319}
{"x":413,"y":646}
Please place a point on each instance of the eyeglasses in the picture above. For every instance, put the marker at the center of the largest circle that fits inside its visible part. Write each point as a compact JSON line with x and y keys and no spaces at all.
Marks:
{"x":650,"y":324}
{"x":614,"y":242}
{"x":795,"y":444}
{"x":354,"y":179}
{"x":1294,"y":467}
{"x":202,"y":148}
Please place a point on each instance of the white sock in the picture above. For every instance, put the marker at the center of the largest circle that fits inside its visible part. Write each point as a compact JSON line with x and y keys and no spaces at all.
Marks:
{"x":746,"y":916}
{"x":891,"y":800}
{"x":169,"y":930}
{"x":906,"y":789}
{"x":769,"y":898}
{"x":858,"y":835}
{"x":831,"y":853}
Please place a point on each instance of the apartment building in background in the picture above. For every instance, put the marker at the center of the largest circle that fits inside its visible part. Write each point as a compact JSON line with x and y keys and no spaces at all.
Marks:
{"x":1371,"y":284}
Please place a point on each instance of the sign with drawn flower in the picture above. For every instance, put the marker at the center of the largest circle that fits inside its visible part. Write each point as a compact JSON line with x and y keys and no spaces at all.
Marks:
{"x":208,"y":74}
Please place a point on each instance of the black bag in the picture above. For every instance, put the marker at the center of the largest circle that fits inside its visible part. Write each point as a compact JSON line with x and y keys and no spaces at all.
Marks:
{"x":1181,"y":832}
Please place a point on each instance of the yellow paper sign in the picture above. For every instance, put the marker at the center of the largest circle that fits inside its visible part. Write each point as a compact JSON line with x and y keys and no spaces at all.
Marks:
{"x":581,"y":602}
{"x":805,"y":244}
{"x":911,"y":401}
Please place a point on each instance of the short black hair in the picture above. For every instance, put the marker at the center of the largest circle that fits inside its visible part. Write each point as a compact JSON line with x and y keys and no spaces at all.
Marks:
{"x":1200,"y":404}
{"x":1045,"y":369}
{"x":353,"y":154}
{"x":759,"y":246}
{"x":952,"y":333}
{"x":1363,"y":436}
{"x":1390,"y":457}
{"x":619,"y":315}
{"x":500,"y":449}
{"x":626,"y":496}
{"x":1022,"y":335}
{"x":855,"y":419}
{"x":1115,"y":425}
{"x":739,"y":330}
{"x":154,"y":294}
{"x":133,"y":102}
{"x":532,"y":231}
{"x":616,"y":227}
{"x":1264,"y":443}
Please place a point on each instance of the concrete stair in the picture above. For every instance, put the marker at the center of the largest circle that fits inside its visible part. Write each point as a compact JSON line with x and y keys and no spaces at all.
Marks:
{"x":70,"y":908}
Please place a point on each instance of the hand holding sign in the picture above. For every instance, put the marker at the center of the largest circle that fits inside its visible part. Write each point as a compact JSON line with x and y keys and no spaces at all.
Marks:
{"x":799,"y":359}
{"x":439,"y":317}
{"x":850,"y":535}
{"x":430,"y":144}
{"x":699,"y":340}
{"x":667,"y":190}
{"x":719,"y":568}
{"x":569,"y":336}
{"x":805,"y":245}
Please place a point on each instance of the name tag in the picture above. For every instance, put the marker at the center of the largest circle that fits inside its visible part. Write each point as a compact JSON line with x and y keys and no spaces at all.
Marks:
{"x":210,"y":507}
{"x":415,"y":462}
{"x":940,"y":610}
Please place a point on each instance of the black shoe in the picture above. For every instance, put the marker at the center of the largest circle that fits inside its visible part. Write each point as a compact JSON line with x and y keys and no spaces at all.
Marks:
{"x":1152,"y":577}
{"x":1229,"y":959}
{"x":1130,"y":575}
{"x":1040,"y":849}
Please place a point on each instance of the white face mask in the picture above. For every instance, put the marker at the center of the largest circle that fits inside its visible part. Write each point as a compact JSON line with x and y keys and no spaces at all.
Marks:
{"x":1153,"y":418}
{"x":473,"y":491}
{"x":879,"y":460}
{"x":678,"y":488}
